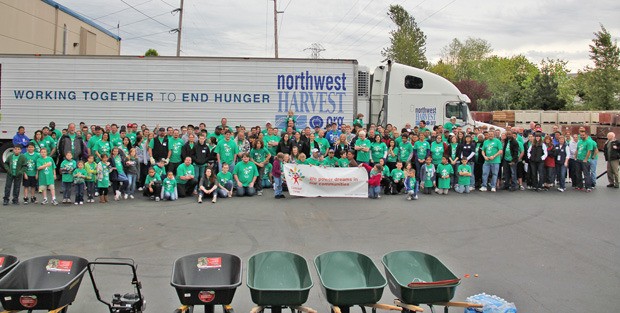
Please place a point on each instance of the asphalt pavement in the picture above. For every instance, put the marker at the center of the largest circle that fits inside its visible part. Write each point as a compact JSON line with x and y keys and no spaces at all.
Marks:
{"x":545,"y":251}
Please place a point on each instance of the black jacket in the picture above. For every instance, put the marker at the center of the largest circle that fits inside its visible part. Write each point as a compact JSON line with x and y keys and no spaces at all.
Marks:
{"x":514,"y":149}
{"x":187,"y":151}
{"x":614,"y":152}
{"x":202,"y":153}
{"x":64,"y":146}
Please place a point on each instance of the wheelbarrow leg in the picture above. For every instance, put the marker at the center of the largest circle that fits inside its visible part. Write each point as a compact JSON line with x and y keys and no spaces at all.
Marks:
{"x":209,"y":308}
{"x":276,"y":309}
{"x":363,"y":309}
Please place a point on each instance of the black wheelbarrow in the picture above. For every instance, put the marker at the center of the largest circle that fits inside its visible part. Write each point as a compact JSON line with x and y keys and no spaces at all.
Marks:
{"x":7,"y":263}
{"x":43,"y":283}
{"x":277,"y":280}
{"x":206,"y":279}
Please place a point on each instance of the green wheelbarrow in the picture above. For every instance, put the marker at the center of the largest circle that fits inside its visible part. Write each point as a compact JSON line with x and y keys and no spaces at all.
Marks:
{"x":350,"y":279}
{"x":418,"y":278}
{"x":277,"y":280}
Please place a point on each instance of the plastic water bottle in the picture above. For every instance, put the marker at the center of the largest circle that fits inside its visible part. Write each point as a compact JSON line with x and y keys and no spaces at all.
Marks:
{"x":491,"y":304}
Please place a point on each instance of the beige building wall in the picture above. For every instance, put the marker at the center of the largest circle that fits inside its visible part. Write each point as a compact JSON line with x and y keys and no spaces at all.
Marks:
{"x":38,"y":27}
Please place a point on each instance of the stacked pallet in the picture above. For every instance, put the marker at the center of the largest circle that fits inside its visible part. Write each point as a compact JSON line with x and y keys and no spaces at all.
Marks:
{"x":504,"y":118}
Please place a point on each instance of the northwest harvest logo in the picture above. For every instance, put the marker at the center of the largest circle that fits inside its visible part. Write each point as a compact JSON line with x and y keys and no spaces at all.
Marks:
{"x":297,"y":175}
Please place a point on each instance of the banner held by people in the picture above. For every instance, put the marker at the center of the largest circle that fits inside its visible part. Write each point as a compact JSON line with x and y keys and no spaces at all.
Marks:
{"x":314,"y":181}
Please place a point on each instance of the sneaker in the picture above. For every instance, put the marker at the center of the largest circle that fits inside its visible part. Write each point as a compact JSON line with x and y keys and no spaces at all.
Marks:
{"x":483,"y":188}
{"x":77,"y":203}
{"x":560,"y":189}
{"x":415,"y":197}
{"x":214,"y":200}
{"x":125,"y":196}
{"x":44,"y":201}
{"x":25,"y":200}
{"x":521,"y":187}
{"x":589,"y":190}
{"x":199,"y":199}
{"x":131,"y":197}
{"x":54,"y":202}
{"x":117,"y":197}
{"x":436,"y":190}
{"x":140,"y":189}
{"x":493,"y":190}
{"x":259,"y":193}
{"x":81,"y":202}
{"x":409,"y":198}
{"x":471,"y":188}
{"x":96,"y":193}
{"x":6,"y":202}
{"x":33,"y":199}
{"x":157,"y":199}
{"x":378,"y":196}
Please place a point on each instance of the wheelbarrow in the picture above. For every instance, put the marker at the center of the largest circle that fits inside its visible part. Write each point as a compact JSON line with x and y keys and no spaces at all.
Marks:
{"x":43,"y":283}
{"x":7,"y":263}
{"x":278,"y":280}
{"x":349,"y":279}
{"x":206,"y":279}
{"x":418,"y":278}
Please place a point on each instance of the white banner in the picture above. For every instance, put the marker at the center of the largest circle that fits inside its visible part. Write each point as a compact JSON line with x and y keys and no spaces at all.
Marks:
{"x":315,"y":181}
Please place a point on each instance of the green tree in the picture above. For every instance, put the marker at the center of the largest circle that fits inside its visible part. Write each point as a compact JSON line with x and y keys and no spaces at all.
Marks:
{"x":466,"y":57}
{"x":602,"y":84}
{"x":407,"y":42}
{"x":545,"y":91}
{"x":151,"y":53}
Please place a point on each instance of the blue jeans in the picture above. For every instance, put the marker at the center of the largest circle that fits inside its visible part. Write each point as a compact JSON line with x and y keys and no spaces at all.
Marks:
{"x":223,"y":192}
{"x":472,"y":181}
{"x":560,"y":173}
{"x":461,"y":188}
{"x":131,"y":184}
{"x":245,"y":191}
{"x":90,"y":189}
{"x":199,"y":171}
{"x":510,"y":175}
{"x":277,"y":186}
{"x":13,"y":182}
{"x":583,"y":168}
{"x":494,"y":169}
{"x":373,"y":192}
{"x":79,"y":192}
{"x":593,"y":171}
{"x":66,"y":193}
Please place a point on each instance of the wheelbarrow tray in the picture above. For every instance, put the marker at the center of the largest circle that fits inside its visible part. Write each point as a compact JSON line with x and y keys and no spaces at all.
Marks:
{"x":278,"y":278}
{"x":349,"y":278}
{"x":42,"y":283}
{"x":402,"y":267}
{"x":206,"y":278}
{"x":7,"y":263}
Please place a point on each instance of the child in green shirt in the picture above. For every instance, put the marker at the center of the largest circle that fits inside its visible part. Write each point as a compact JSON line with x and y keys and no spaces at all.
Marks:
{"x":427,"y":175}
{"x":169,"y":190}
{"x":397,"y":179}
{"x":152,"y":185}
{"x":103,"y":178}
{"x":79,"y":181}
{"x":225,"y":182}
{"x":66,"y":169}
{"x":91,"y":175}
{"x":445,"y":171}
{"x":46,"y":175}
{"x":411,"y":186}
{"x":464,"y":171}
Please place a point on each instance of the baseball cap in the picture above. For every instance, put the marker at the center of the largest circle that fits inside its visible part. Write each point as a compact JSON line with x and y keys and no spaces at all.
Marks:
{"x":315,"y":150}
{"x":161,"y":129}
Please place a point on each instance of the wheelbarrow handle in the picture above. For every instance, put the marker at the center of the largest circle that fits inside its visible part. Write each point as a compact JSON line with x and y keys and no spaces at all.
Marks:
{"x":386,"y":307}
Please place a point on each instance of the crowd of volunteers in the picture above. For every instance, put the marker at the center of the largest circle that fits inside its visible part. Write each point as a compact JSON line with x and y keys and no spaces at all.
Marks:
{"x":224,"y":161}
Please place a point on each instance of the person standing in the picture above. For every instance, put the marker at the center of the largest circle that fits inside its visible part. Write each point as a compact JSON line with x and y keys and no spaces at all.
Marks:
{"x":584,"y":151}
{"x":612,"y":156}
{"x":20,"y":139}
{"x":492,"y":152}
{"x":15,"y":166}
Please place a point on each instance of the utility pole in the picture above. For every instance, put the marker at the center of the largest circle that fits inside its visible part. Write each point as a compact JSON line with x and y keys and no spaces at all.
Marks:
{"x":275,"y":26}
{"x":315,"y":50}
{"x":178,"y":30}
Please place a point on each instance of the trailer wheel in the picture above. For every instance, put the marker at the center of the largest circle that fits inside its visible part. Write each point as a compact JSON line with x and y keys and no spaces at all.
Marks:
{"x":5,"y":150}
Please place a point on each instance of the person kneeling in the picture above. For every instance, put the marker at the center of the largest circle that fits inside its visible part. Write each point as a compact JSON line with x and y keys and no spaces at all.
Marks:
{"x":169,"y":190}
{"x":465,"y":172}
{"x":186,"y":181}
{"x":152,"y":185}
{"x":245,"y":174}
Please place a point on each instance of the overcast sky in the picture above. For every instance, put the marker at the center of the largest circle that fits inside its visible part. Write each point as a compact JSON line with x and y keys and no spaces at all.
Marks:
{"x":354,"y":29}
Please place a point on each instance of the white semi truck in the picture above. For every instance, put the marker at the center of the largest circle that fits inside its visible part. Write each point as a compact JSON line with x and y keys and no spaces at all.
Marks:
{"x":174,"y":91}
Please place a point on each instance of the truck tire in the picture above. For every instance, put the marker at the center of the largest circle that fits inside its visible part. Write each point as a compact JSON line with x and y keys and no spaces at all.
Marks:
{"x":5,"y":150}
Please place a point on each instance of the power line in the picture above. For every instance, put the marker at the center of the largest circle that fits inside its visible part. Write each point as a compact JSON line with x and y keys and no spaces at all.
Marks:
{"x":341,"y":19}
{"x":142,"y":20}
{"x":122,"y":10}
{"x":170,"y":5}
{"x":445,"y":6}
{"x":150,"y":17}
{"x":149,"y":35}
{"x":28,"y":42}
{"x":349,"y":24}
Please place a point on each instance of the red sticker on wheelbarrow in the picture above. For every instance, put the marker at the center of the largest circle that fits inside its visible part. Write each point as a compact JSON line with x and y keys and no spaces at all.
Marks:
{"x":206,"y":296}
{"x":204,"y":262}
{"x":28,"y":302}
{"x":1,"y":261}
{"x":56,"y":265}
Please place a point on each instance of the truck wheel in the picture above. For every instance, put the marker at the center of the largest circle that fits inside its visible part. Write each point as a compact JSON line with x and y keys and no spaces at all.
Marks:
{"x":5,"y":150}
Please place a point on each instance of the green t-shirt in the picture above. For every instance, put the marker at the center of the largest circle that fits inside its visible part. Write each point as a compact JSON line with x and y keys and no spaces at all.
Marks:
{"x":404,"y":151}
{"x":79,"y":176}
{"x":421,"y":148}
{"x":184,"y":170}
{"x":14,"y":161}
{"x":507,"y":153}
{"x":313,"y":161}
{"x":444,"y":170}
{"x":583,"y":146}
{"x":176,"y":145}
{"x":50,"y":144}
{"x":453,"y":147}
{"x":428,"y":178}
{"x":31,"y":163}
{"x":397,"y":174}
{"x":423,"y":130}
{"x":103,"y":147}
{"x":66,"y":168}
{"x":159,"y":171}
{"x":132,"y":137}
{"x":38,"y":145}
{"x":117,"y":162}
{"x":437,"y":150}
{"x":103,"y":177}
{"x":259,"y":155}
{"x":390,"y":157}
{"x":358,"y":121}
{"x":593,"y":148}
{"x":363,"y":156}
{"x":91,"y":171}
{"x":448,"y":126}
{"x":246,"y":172}
{"x":46,"y":175}
{"x":227,"y":150}
{"x":169,"y":185}
{"x":115,"y":139}
{"x":323,"y":145}
{"x":269,"y":138}
{"x":343,"y":162}
{"x":464,"y":180}
{"x":267,"y":171}
{"x":223,"y":178}
{"x":149,"y":179}
{"x":330,"y":162}
{"x":491,"y":147}
{"x":377,"y":150}
{"x":92,"y":143}
{"x":386,"y":171}
{"x":398,"y":141}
